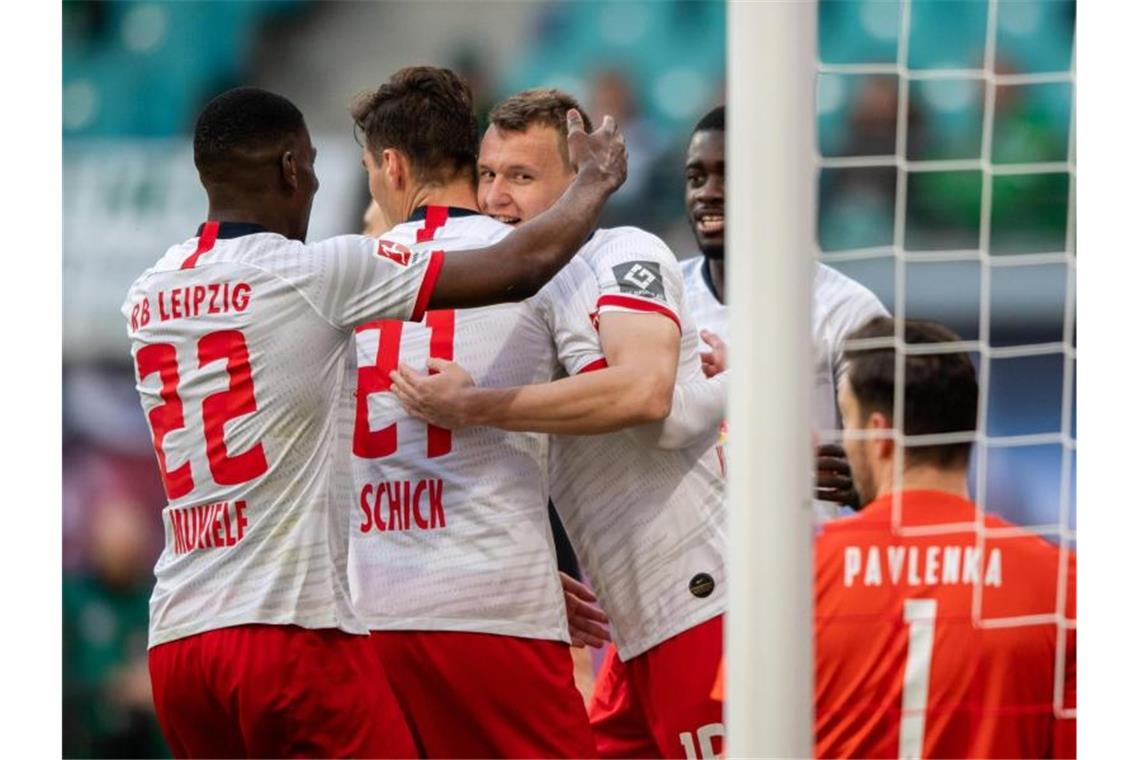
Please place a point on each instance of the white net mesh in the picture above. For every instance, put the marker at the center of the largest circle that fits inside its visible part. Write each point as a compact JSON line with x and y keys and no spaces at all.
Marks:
{"x":1024,"y":316}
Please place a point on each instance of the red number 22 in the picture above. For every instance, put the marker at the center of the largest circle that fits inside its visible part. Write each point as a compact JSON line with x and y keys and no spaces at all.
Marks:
{"x":217,"y":409}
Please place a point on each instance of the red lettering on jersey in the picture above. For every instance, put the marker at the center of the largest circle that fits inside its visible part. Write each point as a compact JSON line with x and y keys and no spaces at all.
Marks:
{"x":134,"y":318}
{"x":406,"y":507}
{"x":364,"y":493}
{"x":387,"y":249}
{"x":241,"y":296}
{"x":208,"y":526}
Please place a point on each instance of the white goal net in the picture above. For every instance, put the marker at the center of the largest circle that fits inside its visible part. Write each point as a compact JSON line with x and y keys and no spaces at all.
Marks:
{"x":945,"y":168}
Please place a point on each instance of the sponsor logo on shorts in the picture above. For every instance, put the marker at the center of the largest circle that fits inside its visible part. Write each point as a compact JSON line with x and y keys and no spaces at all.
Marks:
{"x":701,"y":585}
{"x":640,"y":278}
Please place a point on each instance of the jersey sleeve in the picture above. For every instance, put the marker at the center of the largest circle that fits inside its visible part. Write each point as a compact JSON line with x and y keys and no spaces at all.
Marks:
{"x":568,"y":305}
{"x":353,"y":279}
{"x":853,"y":310}
{"x":637,"y":272}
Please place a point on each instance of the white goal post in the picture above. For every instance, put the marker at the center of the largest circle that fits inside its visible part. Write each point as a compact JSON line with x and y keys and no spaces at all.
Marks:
{"x":771,"y":217}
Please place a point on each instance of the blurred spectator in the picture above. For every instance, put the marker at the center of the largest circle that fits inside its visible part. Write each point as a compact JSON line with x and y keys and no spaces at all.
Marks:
{"x":470,"y":64}
{"x":106,"y":685}
{"x":612,"y":94}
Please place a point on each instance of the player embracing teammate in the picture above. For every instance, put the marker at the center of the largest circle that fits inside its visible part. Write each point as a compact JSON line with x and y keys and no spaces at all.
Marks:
{"x":239,"y":336}
{"x":646,"y":521}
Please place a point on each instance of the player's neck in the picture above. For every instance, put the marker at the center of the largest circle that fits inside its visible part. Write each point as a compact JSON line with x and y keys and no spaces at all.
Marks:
{"x":928,"y":478}
{"x":267,"y":218}
{"x":458,"y":193}
{"x":716,"y":275}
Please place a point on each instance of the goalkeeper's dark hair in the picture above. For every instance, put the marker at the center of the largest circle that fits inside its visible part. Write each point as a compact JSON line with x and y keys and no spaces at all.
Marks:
{"x":941,"y":388}
{"x":241,"y":122}
{"x":713,"y":120}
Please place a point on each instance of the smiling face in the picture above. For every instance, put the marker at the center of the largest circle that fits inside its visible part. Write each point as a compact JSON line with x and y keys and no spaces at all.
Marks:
{"x":704,"y":190}
{"x":521,"y":174}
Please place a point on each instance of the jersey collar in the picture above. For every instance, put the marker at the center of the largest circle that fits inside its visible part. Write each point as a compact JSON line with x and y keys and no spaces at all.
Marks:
{"x":421,"y":212}
{"x":228,"y":230}
{"x":706,"y":275}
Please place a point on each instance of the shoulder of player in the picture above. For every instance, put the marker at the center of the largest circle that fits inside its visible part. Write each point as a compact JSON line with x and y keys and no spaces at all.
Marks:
{"x":840,"y":292}
{"x":631,"y":243}
{"x":842,"y":304}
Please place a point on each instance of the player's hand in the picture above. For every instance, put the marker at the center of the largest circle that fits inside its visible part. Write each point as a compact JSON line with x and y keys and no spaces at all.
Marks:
{"x":586,"y":620}
{"x":438,"y":398}
{"x":600,"y":156}
{"x":833,"y":481}
{"x":714,"y":361}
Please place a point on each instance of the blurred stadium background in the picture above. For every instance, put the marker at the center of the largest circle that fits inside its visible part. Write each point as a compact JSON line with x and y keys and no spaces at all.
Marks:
{"x":136,"y":73}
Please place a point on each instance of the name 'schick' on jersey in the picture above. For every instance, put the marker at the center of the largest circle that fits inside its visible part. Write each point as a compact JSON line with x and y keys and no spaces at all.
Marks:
{"x":191,"y":301}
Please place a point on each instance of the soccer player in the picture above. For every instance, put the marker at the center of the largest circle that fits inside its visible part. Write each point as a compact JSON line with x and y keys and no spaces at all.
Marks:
{"x":239,"y":337}
{"x":647,"y":522}
{"x":839,"y":304}
{"x":451,"y":558}
{"x":906,"y":665}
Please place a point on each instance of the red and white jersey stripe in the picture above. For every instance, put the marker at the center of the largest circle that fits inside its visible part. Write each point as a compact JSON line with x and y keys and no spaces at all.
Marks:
{"x":239,"y":338}
{"x":648,"y":524}
{"x":449,"y":529}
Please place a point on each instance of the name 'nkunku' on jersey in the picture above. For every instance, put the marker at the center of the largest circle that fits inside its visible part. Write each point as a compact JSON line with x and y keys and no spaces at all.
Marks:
{"x":239,"y":338}
{"x":449,"y":530}
{"x":648,"y":524}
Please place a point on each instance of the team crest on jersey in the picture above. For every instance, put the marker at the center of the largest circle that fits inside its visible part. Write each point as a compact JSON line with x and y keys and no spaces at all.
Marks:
{"x":640,"y":278}
{"x":396,"y":252}
{"x":701,"y":585}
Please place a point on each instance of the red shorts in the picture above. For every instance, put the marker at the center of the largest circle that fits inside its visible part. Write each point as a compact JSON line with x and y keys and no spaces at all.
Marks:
{"x":485,"y":695}
{"x":276,"y":691}
{"x":658,"y":703}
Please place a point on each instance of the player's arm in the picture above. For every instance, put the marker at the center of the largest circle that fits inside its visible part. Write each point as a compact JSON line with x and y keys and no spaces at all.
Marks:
{"x":521,"y":263}
{"x":635,"y":387}
{"x":696,"y":416}
{"x":699,"y":405}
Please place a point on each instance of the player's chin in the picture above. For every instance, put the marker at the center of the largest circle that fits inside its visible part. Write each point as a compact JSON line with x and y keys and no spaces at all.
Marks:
{"x":711,"y":246}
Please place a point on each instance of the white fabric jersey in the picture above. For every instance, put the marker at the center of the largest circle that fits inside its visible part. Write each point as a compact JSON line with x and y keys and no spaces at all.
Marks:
{"x":648,"y":524}
{"x":839,"y":305}
{"x":239,"y":338}
{"x":450,"y":530}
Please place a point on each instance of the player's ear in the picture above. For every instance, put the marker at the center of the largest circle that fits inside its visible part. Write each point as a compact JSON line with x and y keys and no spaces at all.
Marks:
{"x":877,"y":422}
{"x":289,"y":174}
{"x":394,"y":167}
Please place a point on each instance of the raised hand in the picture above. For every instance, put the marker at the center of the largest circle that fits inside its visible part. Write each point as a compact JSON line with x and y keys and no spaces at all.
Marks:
{"x":714,"y":361}
{"x":599,"y":157}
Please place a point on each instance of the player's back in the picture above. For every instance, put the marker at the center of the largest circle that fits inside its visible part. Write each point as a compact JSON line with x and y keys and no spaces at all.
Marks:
{"x":903,"y":669}
{"x":647,"y":523}
{"x":239,"y":338}
{"x":441,"y":516}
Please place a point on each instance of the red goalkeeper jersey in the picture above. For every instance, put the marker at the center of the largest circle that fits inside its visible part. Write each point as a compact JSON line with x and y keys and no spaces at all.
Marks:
{"x":906,"y":666}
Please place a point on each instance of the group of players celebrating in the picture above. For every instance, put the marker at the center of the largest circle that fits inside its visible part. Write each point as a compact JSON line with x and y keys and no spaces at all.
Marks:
{"x":359,"y":558}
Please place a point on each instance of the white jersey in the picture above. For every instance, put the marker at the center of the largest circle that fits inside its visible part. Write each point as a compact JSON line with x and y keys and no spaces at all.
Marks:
{"x":449,"y":529}
{"x":648,"y":524}
{"x":839,"y":305}
{"x":239,"y":338}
